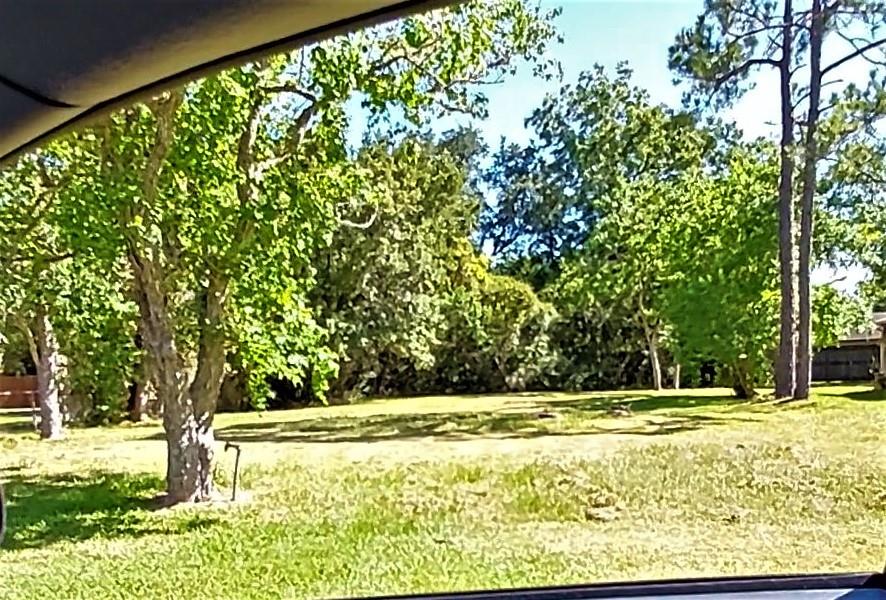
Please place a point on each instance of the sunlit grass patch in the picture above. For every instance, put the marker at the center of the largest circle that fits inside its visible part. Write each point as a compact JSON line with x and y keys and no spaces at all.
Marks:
{"x":690,"y":485}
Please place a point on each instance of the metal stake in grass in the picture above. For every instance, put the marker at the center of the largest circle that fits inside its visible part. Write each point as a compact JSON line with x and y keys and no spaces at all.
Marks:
{"x":2,"y":514}
{"x":236,"y":447}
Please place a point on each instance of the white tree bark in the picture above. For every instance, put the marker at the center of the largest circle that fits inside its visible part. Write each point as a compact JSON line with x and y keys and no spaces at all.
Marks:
{"x":655,"y":359}
{"x":48,"y":361}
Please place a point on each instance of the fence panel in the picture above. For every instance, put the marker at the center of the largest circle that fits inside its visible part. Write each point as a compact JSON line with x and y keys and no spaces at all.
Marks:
{"x":17,"y":391}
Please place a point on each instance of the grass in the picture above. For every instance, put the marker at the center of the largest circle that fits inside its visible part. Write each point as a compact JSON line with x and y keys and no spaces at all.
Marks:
{"x":444,"y":493}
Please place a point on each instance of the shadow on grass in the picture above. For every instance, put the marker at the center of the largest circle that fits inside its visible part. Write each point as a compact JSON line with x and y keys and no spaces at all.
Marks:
{"x":640,"y":402}
{"x":44,"y":510}
{"x":873,"y":395}
{"x":850,"y":390}
{"x":567,"y":417}
{"x":15,"y":421}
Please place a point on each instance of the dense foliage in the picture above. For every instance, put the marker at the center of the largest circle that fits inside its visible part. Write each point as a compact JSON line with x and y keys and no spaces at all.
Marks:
{"x":824,"y":114}
{"x":222,"y":243}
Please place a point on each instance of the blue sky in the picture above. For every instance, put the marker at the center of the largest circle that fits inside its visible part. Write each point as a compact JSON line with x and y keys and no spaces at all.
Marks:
{"x":640,"y":33}
{"x":604,"y":32}
{"x":607,"y":32}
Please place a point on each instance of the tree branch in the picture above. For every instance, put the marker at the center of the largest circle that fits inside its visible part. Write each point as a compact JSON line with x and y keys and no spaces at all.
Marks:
{"x":300,"y":125}
{"x":56,"y":258}
{"x":290,"y":88}
{"x":719,"y":81}
{"x":164,"y":112}
{"x":247,"y":138}
{"x":836,"y":280}
{"x":364,"y":225}
{"x":852,"y":55}
{"x":856,"y":43}
{"x":29,"y":337}
{"x":805,"y":94}
{"x":259,"y":168}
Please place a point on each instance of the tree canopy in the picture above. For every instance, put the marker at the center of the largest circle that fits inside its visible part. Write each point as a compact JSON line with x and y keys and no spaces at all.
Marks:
{"x":225,"y":238}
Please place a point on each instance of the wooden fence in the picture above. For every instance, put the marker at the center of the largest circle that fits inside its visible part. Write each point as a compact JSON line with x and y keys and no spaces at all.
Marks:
{"x":18,"y":391}
{"x":847,"y":363}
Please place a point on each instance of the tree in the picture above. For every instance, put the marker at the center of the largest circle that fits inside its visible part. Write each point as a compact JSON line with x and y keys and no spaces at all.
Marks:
{"x":96,"y":321}
{"x":30,"y":271}
{"x":217,"y":196}
{"x":497,"y":333}
{"x":583,"y":198}
{"x":621,"y":269}
{"x":592,"y":138}
{"x":836,"y":315}
{"x":732,"y":40}
{"x":854,"y":188}
{"x":383,"y":281}
{"x":720,"y":295}
{"x":64,"y":304}
{"x":721,"y":273}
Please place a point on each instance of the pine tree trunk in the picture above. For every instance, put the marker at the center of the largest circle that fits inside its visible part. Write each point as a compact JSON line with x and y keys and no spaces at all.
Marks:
{"x":47,"y":359}
{"x":810,"y":161}
{"x":655,"y":359}
{"x":785,"y":376}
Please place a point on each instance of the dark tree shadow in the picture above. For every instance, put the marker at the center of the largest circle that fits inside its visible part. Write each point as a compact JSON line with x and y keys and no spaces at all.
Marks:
{"x":529,"y":419}
{"x":641,"y":402}
{"x":15,"y":421}
{"x":43,"y":510}
{"x":872,"y":395}
{"x":832,"y":389}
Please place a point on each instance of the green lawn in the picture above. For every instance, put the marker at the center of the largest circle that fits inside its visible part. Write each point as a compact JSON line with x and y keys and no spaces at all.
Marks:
{"x":440,"y":493}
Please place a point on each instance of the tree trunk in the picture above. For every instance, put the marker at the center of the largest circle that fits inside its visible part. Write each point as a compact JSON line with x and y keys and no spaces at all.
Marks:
{"x":186,"y":422}
{"x":743,"y":380}
{"x":189,"y":426}
{"x":138,"y":389}
{"x":785,"y":377}
{"x":810,"y":161}
{"x":138,"y":399}
{"x":188,"y":410}
{"x":677,"y":373}
{"x":880,"y":373}
{"x":48,"y":362}
{"x":188,"y":407}
{"x":654,"y":359}
{"x":189,"y":445}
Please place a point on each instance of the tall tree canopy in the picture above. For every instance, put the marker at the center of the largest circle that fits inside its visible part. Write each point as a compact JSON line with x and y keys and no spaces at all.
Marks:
{"x":591,"y":139}
{"x":720,"y":54}
{"x":382,"y":283}
{"x":217,"y":195}
{"x":575,"y":205}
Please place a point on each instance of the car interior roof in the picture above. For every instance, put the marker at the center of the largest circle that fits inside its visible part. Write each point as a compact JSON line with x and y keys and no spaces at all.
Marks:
{"x":62,"y":62}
